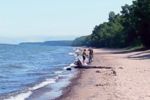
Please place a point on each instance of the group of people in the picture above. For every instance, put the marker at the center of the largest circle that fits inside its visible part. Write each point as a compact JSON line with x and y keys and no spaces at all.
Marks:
{"x":84,"y":56}
{"x":88,"y":56}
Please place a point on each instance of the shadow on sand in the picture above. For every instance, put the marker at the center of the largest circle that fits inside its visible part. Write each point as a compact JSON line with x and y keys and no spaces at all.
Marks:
{"x":139,"y":57}
{"x":140,"y":54}
{"x":129,"y":51}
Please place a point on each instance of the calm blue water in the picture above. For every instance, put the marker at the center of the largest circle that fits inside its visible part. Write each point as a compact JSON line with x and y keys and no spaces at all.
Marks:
{"x":24,"y":66}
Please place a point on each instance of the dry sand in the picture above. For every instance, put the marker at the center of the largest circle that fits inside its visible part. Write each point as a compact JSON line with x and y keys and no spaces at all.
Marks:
{"x":127,"y":79}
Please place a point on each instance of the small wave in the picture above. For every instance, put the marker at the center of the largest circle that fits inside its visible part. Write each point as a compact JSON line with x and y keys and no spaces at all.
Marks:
{"x":44,"y":83}
{"x":21,"y":96}
{"x":16,"y":66}
{"x":62,"y":75}
{"x":25,"y":95}
{"x":58,"y":72}
{"x":71,"y":53}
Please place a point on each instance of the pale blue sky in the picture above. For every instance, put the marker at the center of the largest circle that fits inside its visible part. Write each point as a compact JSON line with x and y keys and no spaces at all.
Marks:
{"x":41,"y":20}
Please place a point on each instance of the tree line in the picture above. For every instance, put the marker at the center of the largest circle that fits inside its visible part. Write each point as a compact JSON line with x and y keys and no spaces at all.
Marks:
{"x":130,"y":27}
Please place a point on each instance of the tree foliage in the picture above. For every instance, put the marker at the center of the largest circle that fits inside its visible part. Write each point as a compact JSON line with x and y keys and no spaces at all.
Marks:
{"x":132,"y":26}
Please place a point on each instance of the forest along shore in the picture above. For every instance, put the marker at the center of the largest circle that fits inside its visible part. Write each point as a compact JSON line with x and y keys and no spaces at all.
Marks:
{"x":119,"y":75}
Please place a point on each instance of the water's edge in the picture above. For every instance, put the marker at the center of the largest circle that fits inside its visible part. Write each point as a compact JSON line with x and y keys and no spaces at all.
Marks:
{"x":54,"y":81}
{"x":67,"y":89}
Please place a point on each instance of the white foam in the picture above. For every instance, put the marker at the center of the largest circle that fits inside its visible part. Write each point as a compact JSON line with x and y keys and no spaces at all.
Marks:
{"x":71,"y":53}
{"x":58,"y":72}
{"x":21,"y":96}
{"x":70,"y":66}
{"x":62,"y":75}
{"x":73,"y":65}
{"x":44,"y":83}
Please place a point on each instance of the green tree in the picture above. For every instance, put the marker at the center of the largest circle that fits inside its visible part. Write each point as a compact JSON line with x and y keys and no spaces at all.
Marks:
{"x":111,"y":16}
{"x":131,"y":27}
{"x":142,"y":15}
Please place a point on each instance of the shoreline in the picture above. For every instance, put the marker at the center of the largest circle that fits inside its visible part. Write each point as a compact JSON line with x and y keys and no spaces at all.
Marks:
{"x":68,"y":92}
{"x":73,"y":82}
{"x":112,"y":84}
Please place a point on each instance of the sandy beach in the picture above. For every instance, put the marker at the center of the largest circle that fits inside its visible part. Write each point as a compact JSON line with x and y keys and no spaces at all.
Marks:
{"x":118,"y":75}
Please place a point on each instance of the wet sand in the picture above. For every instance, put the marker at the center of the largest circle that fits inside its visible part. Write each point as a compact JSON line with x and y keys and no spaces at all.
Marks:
{"x":118,"y":75}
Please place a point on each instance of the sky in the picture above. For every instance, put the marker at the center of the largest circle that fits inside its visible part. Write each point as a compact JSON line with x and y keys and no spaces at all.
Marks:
{"x":42,"y":20}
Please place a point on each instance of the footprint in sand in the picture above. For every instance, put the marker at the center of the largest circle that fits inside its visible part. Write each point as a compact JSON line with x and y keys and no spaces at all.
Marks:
{"x":98,"y":71}
{"x":106,"y":84}
{"x":120,"y":67}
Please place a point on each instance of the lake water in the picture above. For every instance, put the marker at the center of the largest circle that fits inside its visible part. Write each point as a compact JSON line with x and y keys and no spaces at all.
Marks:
{"x":34,"y":72}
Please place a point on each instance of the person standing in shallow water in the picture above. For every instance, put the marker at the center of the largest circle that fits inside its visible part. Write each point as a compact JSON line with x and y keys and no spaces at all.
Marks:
{"x":84,"y":55}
